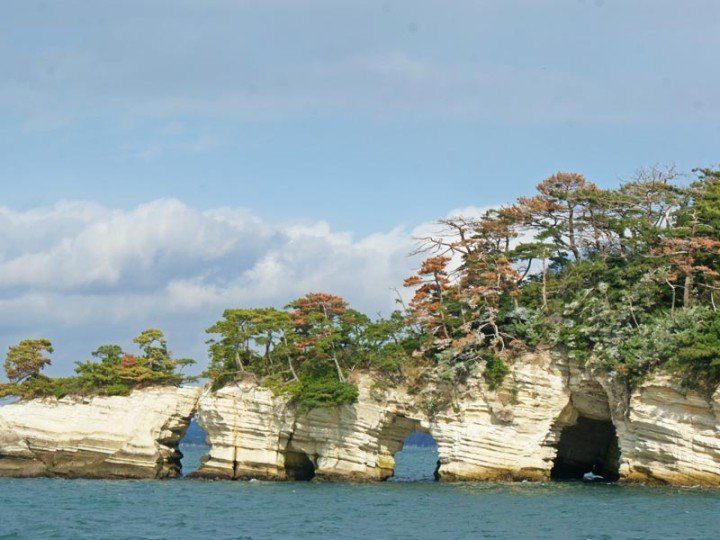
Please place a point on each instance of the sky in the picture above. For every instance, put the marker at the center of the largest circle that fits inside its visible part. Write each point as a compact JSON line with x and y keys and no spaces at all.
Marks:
{"x":161,"y":161}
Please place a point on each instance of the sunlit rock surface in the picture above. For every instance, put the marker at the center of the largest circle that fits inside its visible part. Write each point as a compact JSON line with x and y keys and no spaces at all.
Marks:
{"x":671,"y":436}
{"x":98,"y":437}
{"x":550,"y":418}
{"x":513,"y":433}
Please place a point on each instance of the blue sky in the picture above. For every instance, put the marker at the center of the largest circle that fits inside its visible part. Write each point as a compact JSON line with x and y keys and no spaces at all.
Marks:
{"x":326,"y":127}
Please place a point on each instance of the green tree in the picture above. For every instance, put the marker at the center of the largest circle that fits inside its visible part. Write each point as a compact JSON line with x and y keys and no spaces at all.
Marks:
{"x":153,"y":344}
{"x":249,"y":339}
{"x":27,"y":359}
{"x":110,"y":354}
{"x":317,"y":320}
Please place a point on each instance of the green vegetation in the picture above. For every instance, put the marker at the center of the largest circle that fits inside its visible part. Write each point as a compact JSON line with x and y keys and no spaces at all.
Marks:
{"x":495,"y":371}
{"x":626,"y":278}
{"x":307,"y":349}
{"x":113,"y":372}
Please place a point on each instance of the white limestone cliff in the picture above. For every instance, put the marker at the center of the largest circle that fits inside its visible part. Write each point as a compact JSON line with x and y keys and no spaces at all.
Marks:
{"x":671,"y":436}
{"x":546,"y":409}
{"x":551,"y":416}
{"x":97,"y":437}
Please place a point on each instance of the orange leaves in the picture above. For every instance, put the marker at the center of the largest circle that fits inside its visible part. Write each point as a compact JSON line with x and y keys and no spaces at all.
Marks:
{"x":434,"y":265}
{"x":433,"y":285}
{"x":562,"y":183}
{"x":527,"y":208}
{"x":316,"y":304}
{"x":432,"y":281}
{"x":412,"y":281}
{"x":321,"y":303}
{"x":683,"y":254}
{"x":485,"y":280}
{"x":128,"y":360}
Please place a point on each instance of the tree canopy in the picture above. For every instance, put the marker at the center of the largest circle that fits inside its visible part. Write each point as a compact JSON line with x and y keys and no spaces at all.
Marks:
{"x":26,"y":359}
{"x":307,"y":348}
{"x":111,"y":372}
{"x":598,"y":272}
{"x":626,"y":277}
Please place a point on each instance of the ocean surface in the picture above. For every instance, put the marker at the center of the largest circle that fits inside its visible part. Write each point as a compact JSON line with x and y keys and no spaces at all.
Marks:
{"x":411,"y":506}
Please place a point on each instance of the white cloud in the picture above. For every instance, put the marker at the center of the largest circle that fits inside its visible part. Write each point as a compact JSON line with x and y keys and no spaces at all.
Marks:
{"x":82,"y":274}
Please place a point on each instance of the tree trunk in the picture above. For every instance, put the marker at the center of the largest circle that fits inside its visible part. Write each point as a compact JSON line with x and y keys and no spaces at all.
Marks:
{"x":332,"y":345}
{"x":337,"y":366}
{"x":544,"y":283}
{"x":687,"y":293}
{"x":571,"y":232}
{"x":442,"y":307}
{"x":292,"y":369}
{"x":672,"y":288}
{"x":238,"y":361}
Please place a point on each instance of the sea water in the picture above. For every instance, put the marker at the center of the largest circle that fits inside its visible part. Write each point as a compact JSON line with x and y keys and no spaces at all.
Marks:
{"x":412,"y":506}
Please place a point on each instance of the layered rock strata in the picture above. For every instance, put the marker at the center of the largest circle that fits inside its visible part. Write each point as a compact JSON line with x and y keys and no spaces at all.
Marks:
{"x":670,"y":436}
{"x":523,"y":430}
{"x":97,"y":437}
{"x":550,"y":418}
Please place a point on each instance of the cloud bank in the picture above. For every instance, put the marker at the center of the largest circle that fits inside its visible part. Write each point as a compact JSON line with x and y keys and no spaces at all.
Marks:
{"x":82,"y":274}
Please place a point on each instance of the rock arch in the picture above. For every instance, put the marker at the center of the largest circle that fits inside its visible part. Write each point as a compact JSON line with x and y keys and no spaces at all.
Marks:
{"x":584,"y":435}
{"x":392,"y":439}
{"x":192,"y":447}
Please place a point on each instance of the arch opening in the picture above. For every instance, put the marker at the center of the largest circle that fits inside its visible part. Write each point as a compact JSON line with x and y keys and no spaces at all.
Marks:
{"x":417,"y":460}
{"x":407,"y":451}
{"x":192,"y":447}
{"x":298,"y":466}
{"x":585,"y":437}
{"x":589,"y":445}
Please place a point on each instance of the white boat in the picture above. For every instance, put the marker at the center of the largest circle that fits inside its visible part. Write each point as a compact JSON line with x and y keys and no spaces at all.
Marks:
{"x":592,"y":477}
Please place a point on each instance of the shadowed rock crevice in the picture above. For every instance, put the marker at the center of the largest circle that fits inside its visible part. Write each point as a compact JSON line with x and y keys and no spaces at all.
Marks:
{"x":298,"y":466}
{"x":588,"y":445}
{"x":586,"y":438}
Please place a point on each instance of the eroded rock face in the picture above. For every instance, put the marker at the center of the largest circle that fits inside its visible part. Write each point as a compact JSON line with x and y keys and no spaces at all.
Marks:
{"x":550,"y":418}
{"x":98,"y":437}
{"x":655,"y":434}
{"x":481,"y":435}
{"x":671,"y":436}
{"x":245,"y":424}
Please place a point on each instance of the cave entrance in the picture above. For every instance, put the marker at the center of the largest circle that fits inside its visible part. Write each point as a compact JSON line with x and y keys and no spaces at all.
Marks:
{"x":192,"y":447}
{"x":298,"y":466}
{"x":587,"y":445}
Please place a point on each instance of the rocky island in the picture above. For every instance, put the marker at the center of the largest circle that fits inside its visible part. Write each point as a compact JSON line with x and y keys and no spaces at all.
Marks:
{"x":553,"y":417}
{"x":552,"y":414}
{"x":133,"y":436}
{"x":594,"y":345}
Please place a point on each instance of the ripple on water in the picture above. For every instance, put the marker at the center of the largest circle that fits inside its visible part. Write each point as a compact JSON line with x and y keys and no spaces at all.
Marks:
{"x":79,"y":509}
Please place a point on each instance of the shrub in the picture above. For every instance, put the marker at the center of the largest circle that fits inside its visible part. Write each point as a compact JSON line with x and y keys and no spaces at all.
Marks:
{"x":495,"y":371}
{"x":316,"y":393}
